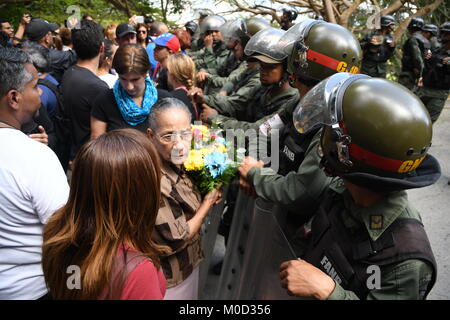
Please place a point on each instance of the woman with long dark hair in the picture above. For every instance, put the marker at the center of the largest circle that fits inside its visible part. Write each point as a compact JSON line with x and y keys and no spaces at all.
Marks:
{"x":104,"y":230}
{"x":142,"y":35}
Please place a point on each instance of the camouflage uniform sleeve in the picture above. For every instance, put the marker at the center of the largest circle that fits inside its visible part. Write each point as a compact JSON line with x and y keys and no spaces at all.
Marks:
{"x":212,"y":61}
{"x":234,"y":77}
{"x":285,"y":112}
{"x":303,"y":187}
{"x":407,"y":280}
{"x":236,"y":102}
{"x":416,"y":56}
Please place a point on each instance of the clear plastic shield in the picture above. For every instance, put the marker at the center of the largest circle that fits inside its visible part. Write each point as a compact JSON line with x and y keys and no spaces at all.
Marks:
{"x":211,"y":23}
{"x":265,"y":42}
{"x":322,"y":104}
{"x":233,"y":29}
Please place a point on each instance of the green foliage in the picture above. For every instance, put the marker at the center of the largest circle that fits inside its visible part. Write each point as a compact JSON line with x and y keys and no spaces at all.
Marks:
{"x":205,"y":183}
{"x":102,"y":11}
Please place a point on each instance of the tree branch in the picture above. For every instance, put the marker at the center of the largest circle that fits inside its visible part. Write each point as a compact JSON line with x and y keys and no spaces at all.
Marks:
{"x":255,"y":10}
{"x":329,"y":11}
{"x":420,"y":13}
{"x":345,"y":16}
{"x":394,"y":7}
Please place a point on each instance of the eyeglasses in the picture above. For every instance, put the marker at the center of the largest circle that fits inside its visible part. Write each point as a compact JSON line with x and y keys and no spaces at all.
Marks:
{"x":185,"y":135}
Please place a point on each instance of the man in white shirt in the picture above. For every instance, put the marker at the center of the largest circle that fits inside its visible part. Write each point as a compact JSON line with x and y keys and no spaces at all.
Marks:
{"x":32,"y":182}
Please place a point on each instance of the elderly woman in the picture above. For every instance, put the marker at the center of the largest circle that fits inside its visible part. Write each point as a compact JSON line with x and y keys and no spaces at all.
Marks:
{"x":181,"y":210}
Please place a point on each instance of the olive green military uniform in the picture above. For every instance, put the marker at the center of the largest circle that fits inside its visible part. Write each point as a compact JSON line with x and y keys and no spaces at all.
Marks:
{"x":209,"y":59}
{"x":196,"y":45}
{"x":226,"y":74}
{"x":244,"y":86}
{"x":405,"y":280}
{"x":412,"y":59}
{"x":287,"y":99}
{"x":229,"y":65}
{"x":434,"y":100}
{"x":436,"y":84}
{"x":301,"y":188}
{"x":376,"y":56}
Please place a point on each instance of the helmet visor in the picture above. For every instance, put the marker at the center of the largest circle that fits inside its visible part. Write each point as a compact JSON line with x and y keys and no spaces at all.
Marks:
{"x":322,"y":104}
{"x":233,"y":29}
{"x":297,"y":32}
{"x":265,"y":42}
{"x":211,"y":23}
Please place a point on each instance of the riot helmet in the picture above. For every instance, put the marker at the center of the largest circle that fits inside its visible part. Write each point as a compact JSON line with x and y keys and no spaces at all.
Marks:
{"x":416,"y":23}
{"x":318,"y":49}
{"x":191,"y":27}
{"x":211,"y":23}
{"x":387,"y":20}
{"x":445,"y":27}
{"x":289,"y":14}
{"x":256,"y":24}
{"x":235,"y":29}
{"x":432,"y":28}
{"x":374,"y":130}
{"x":445,"y":32}
{"x":264,"y":46}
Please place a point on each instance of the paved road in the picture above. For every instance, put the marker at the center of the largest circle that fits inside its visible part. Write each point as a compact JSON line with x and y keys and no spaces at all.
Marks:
{"x":434,"y":205}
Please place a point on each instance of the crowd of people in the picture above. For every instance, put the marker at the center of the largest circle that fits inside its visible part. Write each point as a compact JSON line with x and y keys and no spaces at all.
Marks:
{"x":95,"y":125}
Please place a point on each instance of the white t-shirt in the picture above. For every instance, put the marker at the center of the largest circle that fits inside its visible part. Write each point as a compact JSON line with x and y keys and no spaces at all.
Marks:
{"x":110,"y":79}
{"x":32,"y":186}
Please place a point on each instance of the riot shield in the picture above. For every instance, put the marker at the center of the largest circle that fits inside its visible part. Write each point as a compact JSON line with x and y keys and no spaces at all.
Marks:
{"x":267,"y":248}
{"x":236,"y":248}
{"x":209,"y":229}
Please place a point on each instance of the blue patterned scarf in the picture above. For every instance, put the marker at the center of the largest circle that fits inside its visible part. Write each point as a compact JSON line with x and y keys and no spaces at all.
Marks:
{"x":131,"y":112}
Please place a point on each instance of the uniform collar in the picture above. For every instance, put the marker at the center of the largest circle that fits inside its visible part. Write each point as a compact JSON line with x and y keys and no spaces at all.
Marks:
{"x":378,"y":217}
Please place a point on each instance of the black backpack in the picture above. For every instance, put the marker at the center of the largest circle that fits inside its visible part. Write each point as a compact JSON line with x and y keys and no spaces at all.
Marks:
{"x":62,"y":124}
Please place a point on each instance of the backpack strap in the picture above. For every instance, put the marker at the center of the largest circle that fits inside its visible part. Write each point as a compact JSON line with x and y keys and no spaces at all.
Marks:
{"x":47,"y":83}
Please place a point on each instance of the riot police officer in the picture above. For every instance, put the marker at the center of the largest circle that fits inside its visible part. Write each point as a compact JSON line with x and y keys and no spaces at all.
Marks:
{"x":366,"y":241}
{"x":288,"y":17}
{"x":299,"y":181}
{"x":215,"y":51}
{"x":240,"y":87}
{"x":415,"y":49}
{"x":436,"y":76}
{"x":378,"y":46}
{"x":430,"y":32}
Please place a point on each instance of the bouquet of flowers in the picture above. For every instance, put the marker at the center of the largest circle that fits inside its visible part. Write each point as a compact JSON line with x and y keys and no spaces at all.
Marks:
{"x":208,"y":162}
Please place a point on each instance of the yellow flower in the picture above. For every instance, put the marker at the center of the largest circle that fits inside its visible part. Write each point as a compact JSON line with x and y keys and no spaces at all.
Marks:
{"x":194,"y":161}
{"x":220,"y":148}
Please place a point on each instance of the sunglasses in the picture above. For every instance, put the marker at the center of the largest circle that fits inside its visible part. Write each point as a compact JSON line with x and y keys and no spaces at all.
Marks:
{"x":142,"y":31}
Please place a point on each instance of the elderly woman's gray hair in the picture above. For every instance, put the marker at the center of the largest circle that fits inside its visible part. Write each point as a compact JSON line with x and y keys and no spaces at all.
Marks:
{"x":164,"y":105}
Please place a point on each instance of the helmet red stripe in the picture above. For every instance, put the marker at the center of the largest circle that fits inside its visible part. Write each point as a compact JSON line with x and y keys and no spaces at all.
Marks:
{"x":322,"y":59}
{"x":374,"y":160}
